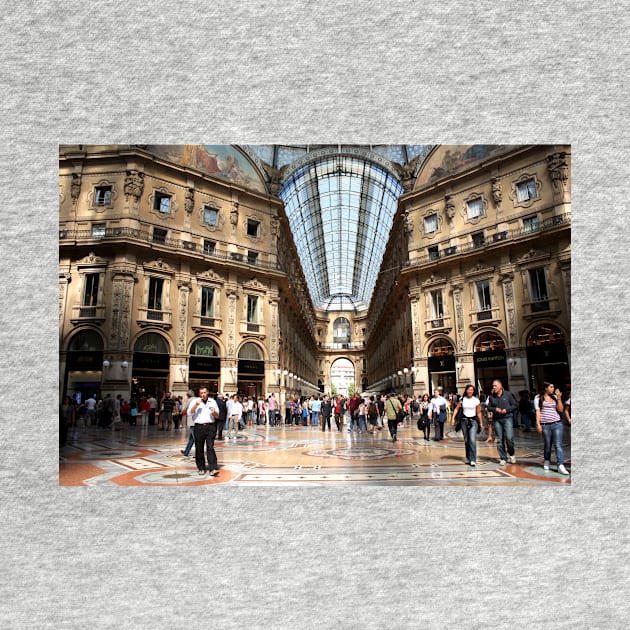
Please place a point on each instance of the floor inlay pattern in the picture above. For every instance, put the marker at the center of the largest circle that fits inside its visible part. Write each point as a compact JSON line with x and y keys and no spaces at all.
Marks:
{"x":290,"y":456}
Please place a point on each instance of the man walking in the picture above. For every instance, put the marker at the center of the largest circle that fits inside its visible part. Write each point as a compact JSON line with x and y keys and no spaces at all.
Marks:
{"x":503,"y":405}
{"x":437,"y":412}
{"x":205,"y":414}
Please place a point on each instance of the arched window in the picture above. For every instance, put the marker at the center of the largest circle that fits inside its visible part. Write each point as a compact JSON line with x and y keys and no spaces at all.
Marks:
{"x":341,"y":330}
{"x":545,"y":334}
{"x":86,"y":341}
{"x":204,"y":347}
{"x":489,"y":341}
{"x":151,"y":342}
{"x":441,"y":347}
{"x":250,"y":352}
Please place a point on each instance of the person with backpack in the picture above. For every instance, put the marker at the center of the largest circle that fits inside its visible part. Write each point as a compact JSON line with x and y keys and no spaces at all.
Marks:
{"x":392,"y":407}
{"x":372,"y":414}
{"x":437,"y":413}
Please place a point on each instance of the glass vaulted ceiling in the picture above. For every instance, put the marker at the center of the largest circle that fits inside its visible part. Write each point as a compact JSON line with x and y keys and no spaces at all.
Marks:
{"x":341,"y":209}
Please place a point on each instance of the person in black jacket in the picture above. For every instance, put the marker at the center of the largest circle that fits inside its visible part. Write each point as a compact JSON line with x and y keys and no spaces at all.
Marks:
{"x":326,"y":411}
{"x":503,"y":405}
{"x":222,"y":416}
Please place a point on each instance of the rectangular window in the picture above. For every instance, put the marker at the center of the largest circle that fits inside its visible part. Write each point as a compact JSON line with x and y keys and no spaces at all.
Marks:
{"x":90,"y":293}
{"x":98,"y":230}
{"x":478,"y":239}
{"x":538,"y":284}
{"x":437,"y":305}
{"x":531,"y":224}
{"x":207,"y":302}
{"x":102,"y":195}
{"x":483,"y":295}
{"x":474,"y":208}
{"x":253,"y":227}
{"x":162,"y":202}
{"x":210,"y":216}
{"x":252,"y":309}
{"x":526,"y":190}
{"x":209,"y":247}
{"x":252,"y":258}
{"x":430,"y":224}
{"x":434,"y":252}
{"x":155,"y":294}
{"x":159,"y":235}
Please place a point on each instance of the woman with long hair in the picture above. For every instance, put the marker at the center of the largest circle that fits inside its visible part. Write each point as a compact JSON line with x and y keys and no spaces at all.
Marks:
{"x":425,"y":422}
{"x":549,"y":408}
{"x":472,"y":421}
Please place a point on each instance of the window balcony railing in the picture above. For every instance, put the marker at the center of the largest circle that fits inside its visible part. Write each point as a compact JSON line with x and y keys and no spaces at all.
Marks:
{"x":437,"y":324}
{"x":484,"y":317}
{"x":255,"y":328}
{"x":499,"y":238}
{"x":82,"y":313}
{"x":203,"y":322}
{"x":154,"y":317}
{"x":343,"y":345}
{"x":547,"y":306}
{"x":145,"y":235}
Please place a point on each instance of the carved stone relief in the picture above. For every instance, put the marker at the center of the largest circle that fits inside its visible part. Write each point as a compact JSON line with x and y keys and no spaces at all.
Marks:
{"x":510,"y":309}
{"x":182,"y":318}
{"x":459,"y":316}
{"x":274,"y":336}
{"x":75,"y":187}
{"x":558,"y":168}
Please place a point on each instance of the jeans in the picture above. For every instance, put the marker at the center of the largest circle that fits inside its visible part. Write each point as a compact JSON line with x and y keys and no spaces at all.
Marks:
{"x":362,"y":424}
{"x":504,"y":430}
{"x":326,"y":421}
{"x":315,"y":419}
{"x":392,"y":425}
{"x":191,"y":441}
{"x":470,"y":427}
{"x":552,"y":436}
{"x":438,"y":431}
{"x":204,"y":436}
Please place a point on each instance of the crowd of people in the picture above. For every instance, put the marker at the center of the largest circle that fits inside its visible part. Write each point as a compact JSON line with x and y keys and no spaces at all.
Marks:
{"x":495,"y":417}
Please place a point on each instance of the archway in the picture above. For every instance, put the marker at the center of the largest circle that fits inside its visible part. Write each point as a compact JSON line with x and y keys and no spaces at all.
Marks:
{"x":151,"y":363}
{"x":84,"y":365}
{"x":441,"y":364}
{"x":489,"y":360}
{"x":548,"y":358}
{"x":251,"y":371}
{"x":342,"y":377}
{"x":342,"y":332}
{"x":204,"y":365}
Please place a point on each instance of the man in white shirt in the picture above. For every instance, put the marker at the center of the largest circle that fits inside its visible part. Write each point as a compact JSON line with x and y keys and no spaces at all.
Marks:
{"x":437,"y":413}
{"x":90,"y":415}
{"x":205,"y":413}
{"x":235,"y":411}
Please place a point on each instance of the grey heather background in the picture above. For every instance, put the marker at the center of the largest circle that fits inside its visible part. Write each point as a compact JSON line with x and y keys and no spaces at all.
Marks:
{"x":342,"y":557}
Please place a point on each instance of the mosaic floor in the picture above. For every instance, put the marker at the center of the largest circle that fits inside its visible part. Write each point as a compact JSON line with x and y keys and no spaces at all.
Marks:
{"x":274,"y":456}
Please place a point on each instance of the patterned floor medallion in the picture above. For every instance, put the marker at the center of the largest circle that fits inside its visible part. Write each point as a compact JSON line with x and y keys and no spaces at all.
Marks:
{"x":296,"y":456}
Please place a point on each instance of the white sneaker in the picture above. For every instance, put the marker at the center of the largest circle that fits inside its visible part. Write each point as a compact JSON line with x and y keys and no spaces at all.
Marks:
{"x":502,"y":462}
{"x":562,"y":470}
{"x":546,"y":465}
{"x":512,"y":459}
{"x":473,"y":464}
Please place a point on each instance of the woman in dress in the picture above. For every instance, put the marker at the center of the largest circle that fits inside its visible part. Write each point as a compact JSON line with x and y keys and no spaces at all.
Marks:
{"x":425,"y":422}
{"x":472,"y":422}
{"x":549,"y":408}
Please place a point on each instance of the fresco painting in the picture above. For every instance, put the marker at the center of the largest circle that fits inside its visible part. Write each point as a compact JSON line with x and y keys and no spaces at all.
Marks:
{"x":450,"y":159}
{"x":219,"y":160}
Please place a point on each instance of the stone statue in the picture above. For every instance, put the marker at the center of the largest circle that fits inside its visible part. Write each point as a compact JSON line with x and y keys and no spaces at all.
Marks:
{"x":558,"y":171}
{"x":497,"y":193}
{"x":134,"y":184}
{"x":234,"y":215}
{"x":75,"y":188}
{"x":190,"y":200}
{"x":450,"y":207}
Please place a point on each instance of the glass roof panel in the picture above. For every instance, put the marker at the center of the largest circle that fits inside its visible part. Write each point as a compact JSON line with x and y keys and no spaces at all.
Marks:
{"x":340,"y":209}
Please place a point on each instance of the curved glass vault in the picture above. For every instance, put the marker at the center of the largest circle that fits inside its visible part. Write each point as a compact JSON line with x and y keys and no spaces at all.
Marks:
{"x":341,"y":209}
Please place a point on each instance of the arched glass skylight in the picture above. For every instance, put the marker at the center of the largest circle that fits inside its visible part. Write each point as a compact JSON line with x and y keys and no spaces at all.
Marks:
{"x":340,"y":209}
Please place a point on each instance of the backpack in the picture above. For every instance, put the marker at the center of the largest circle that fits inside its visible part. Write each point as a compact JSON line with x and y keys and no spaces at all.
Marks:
{"x":415,"y":406}
{"x":372,"y":410}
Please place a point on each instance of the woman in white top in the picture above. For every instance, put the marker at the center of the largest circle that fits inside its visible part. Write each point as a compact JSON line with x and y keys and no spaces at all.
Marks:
{"x":472,"y":422}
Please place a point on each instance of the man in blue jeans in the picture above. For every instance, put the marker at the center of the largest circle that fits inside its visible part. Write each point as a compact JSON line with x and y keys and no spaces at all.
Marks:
{"x":503,"y":405}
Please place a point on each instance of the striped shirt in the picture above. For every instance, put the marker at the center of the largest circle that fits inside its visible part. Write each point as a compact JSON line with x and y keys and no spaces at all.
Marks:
{"x":548,"y":412}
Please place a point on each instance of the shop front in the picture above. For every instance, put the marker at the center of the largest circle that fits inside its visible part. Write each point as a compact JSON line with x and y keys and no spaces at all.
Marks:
{"x":151,"y":364}
{"x":441,"y":364}
{"x":84,"y":366}
{"x":490,"y":361}
{"x":251,"y":378}
{"x":204,"y":366}
{"x":548,"y":358}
